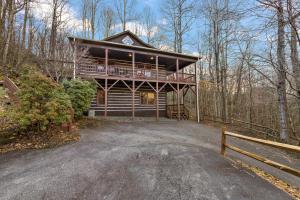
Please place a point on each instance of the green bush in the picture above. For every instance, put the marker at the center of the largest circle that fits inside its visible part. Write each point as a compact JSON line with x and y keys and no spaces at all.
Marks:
{"x":81,"y":94}
{"x":2,"y":92}
{"x":42,"y":103}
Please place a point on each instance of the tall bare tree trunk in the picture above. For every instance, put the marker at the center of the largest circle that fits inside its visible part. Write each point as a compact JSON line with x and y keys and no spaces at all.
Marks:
{"x":294,"y":54}
{"x":3,"y":10}
{"x":281,"y":87}
{"x":26,"y":6}
{"x":53,"y":33}
{"x":11,"y":5}
{"x":31,"y":34}
{"x":124,"y":15}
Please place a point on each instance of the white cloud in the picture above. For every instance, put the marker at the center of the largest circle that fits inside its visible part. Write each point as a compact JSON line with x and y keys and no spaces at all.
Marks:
{"x":163,"y":21}
{"x":137,"y":28}
{"x":42,"y":10}
{"x":195,"y":53}
{"x":165,"y":47}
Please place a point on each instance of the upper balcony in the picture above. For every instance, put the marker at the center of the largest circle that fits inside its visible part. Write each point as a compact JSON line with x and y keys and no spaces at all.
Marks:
{"x":113,"y":60}
{"x":139,"y":73}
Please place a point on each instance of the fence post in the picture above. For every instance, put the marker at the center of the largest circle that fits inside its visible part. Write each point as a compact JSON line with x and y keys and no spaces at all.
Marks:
{"x":223,"y":141}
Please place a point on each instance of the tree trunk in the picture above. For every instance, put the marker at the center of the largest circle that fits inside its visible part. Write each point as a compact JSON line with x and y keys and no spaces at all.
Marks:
{"x":10,"y":29}
{"x":124,"y":15}
{"x":53,"y":30}
{"x":294,"y":54}
{"x":24,"y":24}
{"x":31,"y":34}
{"x":281,"y":87}
{"x":2,"y":24}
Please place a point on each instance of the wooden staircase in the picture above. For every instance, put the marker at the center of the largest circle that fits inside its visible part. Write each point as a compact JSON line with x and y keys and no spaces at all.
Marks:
{"x":172,"y":112}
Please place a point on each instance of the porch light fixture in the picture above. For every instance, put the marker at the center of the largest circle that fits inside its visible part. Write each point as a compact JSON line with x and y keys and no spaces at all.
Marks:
{"x":151,"y":58}
{"x":129,"y":54}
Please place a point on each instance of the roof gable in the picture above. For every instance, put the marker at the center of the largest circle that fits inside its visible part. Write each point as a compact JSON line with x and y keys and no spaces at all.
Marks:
{"x":127,"y":38}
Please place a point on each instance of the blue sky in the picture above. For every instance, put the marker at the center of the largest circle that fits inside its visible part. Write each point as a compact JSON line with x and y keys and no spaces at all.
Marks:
{"x":191,"y":37}
{"x":140,"y":5}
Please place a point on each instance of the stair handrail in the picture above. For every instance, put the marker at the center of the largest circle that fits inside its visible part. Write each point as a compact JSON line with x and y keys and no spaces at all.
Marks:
{"x":10,"y":85}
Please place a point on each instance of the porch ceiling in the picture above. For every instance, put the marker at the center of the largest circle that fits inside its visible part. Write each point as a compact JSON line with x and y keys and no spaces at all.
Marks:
{"x":167,"y":62}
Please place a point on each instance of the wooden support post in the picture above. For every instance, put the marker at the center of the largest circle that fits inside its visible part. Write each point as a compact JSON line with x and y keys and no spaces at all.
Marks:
{"x":197,"y":94}
{"x":106,"y":61}
{"x":223,"y":141}
{"x":133,"y":86}
{"x":74,"y":60}
{"x":177,"y":79}
{"x":133,"y":64}
{"x":182,"y":74}
{"x":157,"y":91}
{"x":105,"y":98}
{"x":183,"y":95}
{"x":133,"y":99}
{"x":173,"y":98}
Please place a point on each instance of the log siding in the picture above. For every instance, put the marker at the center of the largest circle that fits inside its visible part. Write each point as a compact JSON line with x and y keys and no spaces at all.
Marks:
{"x":120,"y":103}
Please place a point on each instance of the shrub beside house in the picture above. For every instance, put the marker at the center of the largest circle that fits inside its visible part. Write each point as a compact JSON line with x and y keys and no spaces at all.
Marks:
{"x":44,"y":106}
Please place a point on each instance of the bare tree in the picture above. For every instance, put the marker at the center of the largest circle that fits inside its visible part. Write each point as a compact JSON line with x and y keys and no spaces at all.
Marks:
{"x":56,"y":21}
{"x":179,"y":16}
{"x":293,"y":14}
{"x":125,"y":11}
{"x":107,"y":20}
{"x":25,"y":19}
{"x":149,"y":23}
{"x":281,"y":67}
{"x":84,"y":17}
{"x":94,"y":4}
{"x":11,"y":14}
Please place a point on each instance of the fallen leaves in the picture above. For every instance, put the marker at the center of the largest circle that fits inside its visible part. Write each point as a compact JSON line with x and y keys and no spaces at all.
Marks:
{"x":291,"y":190}
{"x":50,"y":139}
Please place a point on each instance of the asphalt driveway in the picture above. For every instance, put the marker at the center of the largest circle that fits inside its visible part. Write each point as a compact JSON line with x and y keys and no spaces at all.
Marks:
{"x":165,"y":160}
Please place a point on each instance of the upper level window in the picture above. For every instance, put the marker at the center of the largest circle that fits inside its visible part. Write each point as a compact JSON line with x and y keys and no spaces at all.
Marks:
{"x":147,"y":98}
{"x":127,"y":40}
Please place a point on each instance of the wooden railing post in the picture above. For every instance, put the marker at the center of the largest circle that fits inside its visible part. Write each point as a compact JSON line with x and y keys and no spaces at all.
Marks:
{"x":223,"y":141}
{"x":106,"y":61}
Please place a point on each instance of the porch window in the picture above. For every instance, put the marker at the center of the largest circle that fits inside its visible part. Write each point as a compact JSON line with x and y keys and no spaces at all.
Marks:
{"x":147,"y":98}
{"x":100,"y":97}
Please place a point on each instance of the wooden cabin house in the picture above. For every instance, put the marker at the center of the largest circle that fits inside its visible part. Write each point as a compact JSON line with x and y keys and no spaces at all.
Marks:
{"x":133,"y":77}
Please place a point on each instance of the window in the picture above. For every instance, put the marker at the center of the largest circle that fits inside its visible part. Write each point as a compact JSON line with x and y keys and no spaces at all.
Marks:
{"x":100,"y":97}
{"x":148,"y":98}
{"x":127,"y":40}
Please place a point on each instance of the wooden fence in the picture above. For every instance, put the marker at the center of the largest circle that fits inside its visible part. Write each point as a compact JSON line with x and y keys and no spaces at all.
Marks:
{"x":263,"y":131}
{"x":278,"y":145}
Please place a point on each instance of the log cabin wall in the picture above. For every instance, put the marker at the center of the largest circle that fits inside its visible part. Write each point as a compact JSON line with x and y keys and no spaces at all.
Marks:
{"x":120,"y":103}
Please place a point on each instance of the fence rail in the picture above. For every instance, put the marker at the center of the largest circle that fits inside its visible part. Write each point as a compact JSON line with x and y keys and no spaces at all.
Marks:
{"x":278,"y":145}
{"x":256,"y":128}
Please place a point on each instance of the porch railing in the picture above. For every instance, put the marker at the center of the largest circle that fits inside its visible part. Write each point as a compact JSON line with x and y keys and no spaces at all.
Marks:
{"x":139,"y":73}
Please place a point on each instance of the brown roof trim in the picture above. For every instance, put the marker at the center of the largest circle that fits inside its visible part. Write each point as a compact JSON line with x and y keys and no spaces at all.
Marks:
{"x":131,"y":34}
{"x":143,"y":49}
